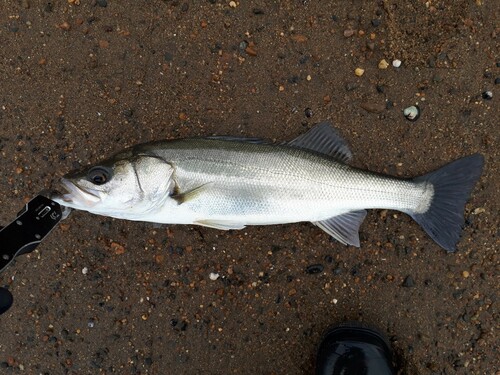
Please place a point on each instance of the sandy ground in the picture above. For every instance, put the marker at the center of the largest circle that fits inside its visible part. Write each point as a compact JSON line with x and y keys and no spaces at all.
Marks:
{"x":83,"y":79}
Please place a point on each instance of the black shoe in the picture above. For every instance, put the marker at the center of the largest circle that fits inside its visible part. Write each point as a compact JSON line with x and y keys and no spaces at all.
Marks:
{"x":5,"y":300}
{"x":352,"y":349}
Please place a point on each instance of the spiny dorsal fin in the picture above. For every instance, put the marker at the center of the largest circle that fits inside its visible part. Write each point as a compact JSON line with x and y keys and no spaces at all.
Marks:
{"x":345,"y":227}
{"x":324,"y":139}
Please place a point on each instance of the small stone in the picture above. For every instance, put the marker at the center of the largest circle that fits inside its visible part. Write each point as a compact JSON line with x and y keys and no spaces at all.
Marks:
{"x":383,"y":64}
{"x":117,"y":248}
{"x":408,"y":282}
{"x":436,"y":78}
{"x":308,"y":78}
{"x":85,"y":270}
{"x":64,"y":26}
{"x":168,"y":56}
{"x":396,"y":63}
{"x":308,"y":112}
{"x":373,"y":107}
{"x":349,"y":32}
{"x":351,"y":86}
{"x":478,"y":210}
{"x":314,"y":269}
{"x":102,"y":3}
{"x":183,"y":116}
{"x":497,"y":81}
{"x":233,"y":4}
{"x":299,"y":38}
{"x":487,"y":95}
{"x":103,"y":44}
{"x":375,"y":22}
{"x":251,"y":51}
{"x":359,"y":72}
{"x":465,"y":274}
{"x":213,"y":276}
{"x":412,"y":113}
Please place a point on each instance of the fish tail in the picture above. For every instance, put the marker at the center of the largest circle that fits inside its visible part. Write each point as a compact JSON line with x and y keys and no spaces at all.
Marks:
{"x":452,"y":184}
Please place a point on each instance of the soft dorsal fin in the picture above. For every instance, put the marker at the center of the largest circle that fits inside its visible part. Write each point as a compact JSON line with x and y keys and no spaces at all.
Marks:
{"x":345,"y":227}
{"x":324,"y":139}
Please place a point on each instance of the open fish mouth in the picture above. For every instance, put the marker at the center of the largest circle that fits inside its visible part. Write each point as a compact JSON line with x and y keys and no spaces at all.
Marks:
{"x":78,"y":196}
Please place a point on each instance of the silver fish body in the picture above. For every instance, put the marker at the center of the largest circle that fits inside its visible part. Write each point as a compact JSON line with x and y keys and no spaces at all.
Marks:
{"x":230,"y":183}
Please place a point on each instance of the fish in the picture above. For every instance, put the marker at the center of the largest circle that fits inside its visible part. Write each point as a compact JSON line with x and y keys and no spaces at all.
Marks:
{"x":230,"y":183}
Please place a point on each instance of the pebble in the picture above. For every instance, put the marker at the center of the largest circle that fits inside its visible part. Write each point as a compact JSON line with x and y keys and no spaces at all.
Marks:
{"x":465,"y":274}
{"x":359,"y":72}
{"x":65,"y":26}
{"x":396,"y":63}
{"x":497,"y":81}
{"x":373,"y":107}
{"x":409,"y":282}
{"x":412,"y":113}
{"x":117,"y":248}
{"x":314,"y":268}
{"x":383,"y":64}
{"x":349,"y":32}
{"x":251,"y":51}
{"x":168,"y":56}
{"x":85,"y":270}
{"x":233,"y":4}
{"x":375,"y":22}
{"x":487,"y":95}
{"x":308,"y":112}
{"x":351,"y":86}
{"x":213,"y":276}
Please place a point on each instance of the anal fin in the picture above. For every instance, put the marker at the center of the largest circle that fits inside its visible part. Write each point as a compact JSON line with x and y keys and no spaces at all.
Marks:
{"x":345,"y":227}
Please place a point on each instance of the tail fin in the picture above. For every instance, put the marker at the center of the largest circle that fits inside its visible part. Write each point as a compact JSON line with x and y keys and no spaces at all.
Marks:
{"x":453,"y":183}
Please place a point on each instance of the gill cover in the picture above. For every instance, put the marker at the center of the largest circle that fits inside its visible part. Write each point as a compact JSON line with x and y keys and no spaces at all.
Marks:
{"x":120,"y":187}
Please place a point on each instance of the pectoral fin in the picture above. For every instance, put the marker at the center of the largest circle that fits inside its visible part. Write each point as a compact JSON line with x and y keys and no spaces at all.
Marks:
{"x":190,"y":194}
{"x":345,"y":227}
{"x":220,"y":224}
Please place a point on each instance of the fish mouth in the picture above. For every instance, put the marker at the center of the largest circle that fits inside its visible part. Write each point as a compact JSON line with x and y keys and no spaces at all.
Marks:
{"x":77,"y":196}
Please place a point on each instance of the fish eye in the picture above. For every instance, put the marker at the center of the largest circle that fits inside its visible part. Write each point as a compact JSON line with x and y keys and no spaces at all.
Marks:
{"x":99,"y":175}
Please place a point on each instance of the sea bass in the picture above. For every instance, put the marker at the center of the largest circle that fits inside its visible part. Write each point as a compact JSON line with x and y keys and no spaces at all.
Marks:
{"x":229,"y":183}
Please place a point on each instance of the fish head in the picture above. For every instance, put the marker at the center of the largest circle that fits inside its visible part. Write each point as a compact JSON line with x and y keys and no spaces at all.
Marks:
{"x":123,"y":187}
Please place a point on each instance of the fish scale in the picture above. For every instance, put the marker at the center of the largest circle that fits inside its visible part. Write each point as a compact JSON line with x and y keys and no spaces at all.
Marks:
{"x":260,"y":184}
